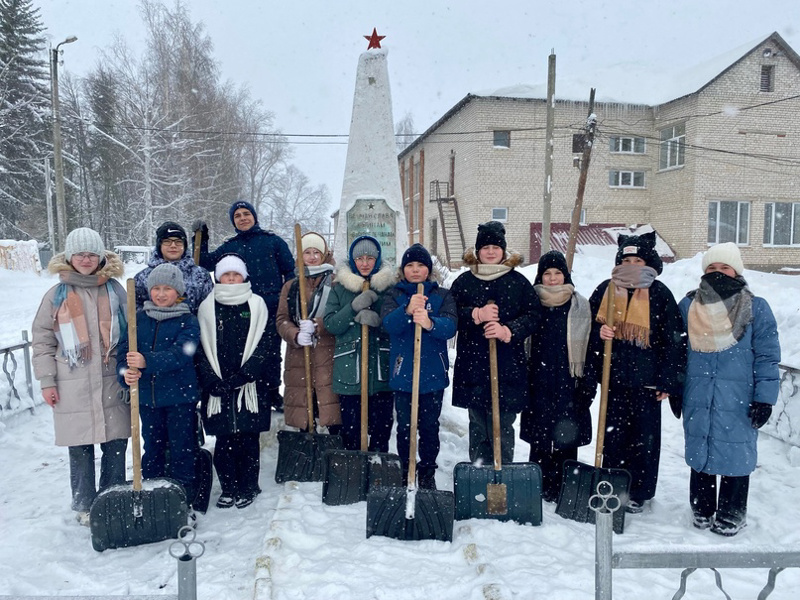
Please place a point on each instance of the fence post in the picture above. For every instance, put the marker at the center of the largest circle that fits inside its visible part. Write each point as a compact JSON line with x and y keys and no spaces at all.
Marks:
{"x":604,"y":504}
{"x":187,"y":550}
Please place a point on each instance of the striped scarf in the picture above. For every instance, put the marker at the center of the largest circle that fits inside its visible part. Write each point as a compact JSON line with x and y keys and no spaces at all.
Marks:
{"x":721,"y":310}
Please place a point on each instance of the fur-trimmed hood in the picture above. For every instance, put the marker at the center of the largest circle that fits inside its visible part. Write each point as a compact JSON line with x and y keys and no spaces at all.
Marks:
{"x":112,"y":268}
{"x":385,"y":278}
{"x":512,"y":258}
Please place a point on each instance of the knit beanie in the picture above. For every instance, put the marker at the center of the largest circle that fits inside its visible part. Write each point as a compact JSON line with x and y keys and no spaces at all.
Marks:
{"x":314,"y":240}
{"x":84,"y":239}
{"x":166,"y":274}
{"x":552,"y":260}
{"x":643,"y":246}
{"x":491,"y":234}
{"x":727,"y":253}
{"x":230,"y":263}
{"x":365,"y":245}
{"x":417,"y":253}
{"x":169,"y":229}
{"x":241,"y":204}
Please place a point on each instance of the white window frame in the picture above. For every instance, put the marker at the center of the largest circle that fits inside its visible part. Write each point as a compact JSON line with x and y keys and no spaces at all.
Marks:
{"x":506,"y":133}
{"x":504,"y":212}
{"x":769,"y":224}
{"x":672,"y":148}
{"x":582,"y":220}
{"x":617,"y":144}
{"x":742,"y":220}
{"x":626,"y":179}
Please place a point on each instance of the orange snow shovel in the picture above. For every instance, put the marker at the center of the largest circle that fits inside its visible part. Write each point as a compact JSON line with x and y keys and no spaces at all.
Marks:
{"x":410,"y":513}
{"x":580,"y":480}
{"x":301,"y":453}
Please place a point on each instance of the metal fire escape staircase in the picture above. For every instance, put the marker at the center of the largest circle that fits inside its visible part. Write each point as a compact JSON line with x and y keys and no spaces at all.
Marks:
{"x":452,"y":231}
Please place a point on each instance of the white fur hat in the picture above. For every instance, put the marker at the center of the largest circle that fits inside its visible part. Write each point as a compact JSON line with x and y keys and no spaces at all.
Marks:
{"x":230,"y":263}
{"x":727,"y":253}
{"x":84,"y":239}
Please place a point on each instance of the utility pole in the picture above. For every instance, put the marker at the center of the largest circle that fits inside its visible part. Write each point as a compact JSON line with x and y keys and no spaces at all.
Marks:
{"x":591,"y":123}
{"x":61,"y":205}
{"x":548,"y":153}
{"x":51,"y":237}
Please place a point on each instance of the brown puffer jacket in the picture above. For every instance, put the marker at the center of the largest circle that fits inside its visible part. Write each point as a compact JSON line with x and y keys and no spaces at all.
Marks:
{"x":294,"y":374}
{"x":91,"y":408}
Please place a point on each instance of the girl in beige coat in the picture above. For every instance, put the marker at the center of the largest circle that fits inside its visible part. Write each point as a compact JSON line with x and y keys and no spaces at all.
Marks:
{"x":75,"y":333}
{"x":298,"y":333}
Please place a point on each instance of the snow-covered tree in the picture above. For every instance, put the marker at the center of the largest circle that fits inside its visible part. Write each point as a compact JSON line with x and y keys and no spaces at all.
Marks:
{"x":293,"y":200}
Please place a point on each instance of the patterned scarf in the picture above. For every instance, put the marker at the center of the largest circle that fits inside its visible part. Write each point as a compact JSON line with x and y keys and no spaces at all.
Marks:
{"x":71,"y":327}
{"x":322,"y":277}
{"x":632,"y":319}
{"x":721,"y":310}
{"x":579,"y":321}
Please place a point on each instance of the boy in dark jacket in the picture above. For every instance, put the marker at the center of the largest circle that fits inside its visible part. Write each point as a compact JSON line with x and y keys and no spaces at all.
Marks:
{"x":435,"y":311}
{"x":168,"y":335}
{"x":648,"y":359}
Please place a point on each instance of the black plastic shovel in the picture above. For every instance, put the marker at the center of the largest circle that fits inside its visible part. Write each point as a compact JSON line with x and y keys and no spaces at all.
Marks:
{"x":410,"y":513}
{"x":580,"y":480}
{"x":301,"y":453}
{"x":510,"y":492}
{"x":133,"y":514}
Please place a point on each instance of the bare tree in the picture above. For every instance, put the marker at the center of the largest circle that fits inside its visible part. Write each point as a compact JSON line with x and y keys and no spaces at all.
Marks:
{"x":293,"y":200}
{"x":404,"y":132}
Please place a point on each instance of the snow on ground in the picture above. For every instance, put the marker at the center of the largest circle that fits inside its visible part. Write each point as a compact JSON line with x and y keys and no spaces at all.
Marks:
{"x":288,"y":545}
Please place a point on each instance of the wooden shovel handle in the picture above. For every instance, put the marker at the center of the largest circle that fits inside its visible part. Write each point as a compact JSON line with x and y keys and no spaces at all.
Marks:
{"x":494,"y":384}
{"x":134,"y":388}
{"x":601,"y":419}
{"x":412,"y":448}
{"x":364,"y":377}
{"x":301,"y":282}
{"x":198,"y":242}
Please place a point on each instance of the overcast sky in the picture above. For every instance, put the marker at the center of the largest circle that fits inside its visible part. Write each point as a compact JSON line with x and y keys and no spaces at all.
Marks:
{"x":300,"y":56}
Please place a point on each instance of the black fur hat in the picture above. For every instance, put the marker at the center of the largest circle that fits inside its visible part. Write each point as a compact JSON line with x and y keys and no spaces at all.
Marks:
{"x":643,"y":246}
{"x":552,"y":260}
{"x":491,"y":234}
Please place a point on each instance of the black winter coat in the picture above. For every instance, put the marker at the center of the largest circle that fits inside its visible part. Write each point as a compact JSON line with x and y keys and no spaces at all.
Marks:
{"x":519,"y":310}
{"x":233,"y":323}
{"x":663,"y":364}
{"x":558,"y":417}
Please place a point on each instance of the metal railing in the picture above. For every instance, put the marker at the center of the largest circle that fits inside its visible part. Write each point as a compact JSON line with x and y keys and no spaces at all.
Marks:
{"x":13,"y":400}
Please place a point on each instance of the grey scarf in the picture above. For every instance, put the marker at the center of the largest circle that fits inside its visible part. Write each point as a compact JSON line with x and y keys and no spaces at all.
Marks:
{"x":162,"y":313}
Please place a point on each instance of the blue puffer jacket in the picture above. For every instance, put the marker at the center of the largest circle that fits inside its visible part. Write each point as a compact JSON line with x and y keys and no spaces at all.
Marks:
{"x":168,"y":348}
{"x":434,"y":362}
{"x":197,"y":280}
{"x":719,"y":387}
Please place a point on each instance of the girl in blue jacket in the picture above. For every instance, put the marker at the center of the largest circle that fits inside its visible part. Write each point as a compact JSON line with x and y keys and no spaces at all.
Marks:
{"x":168,"y":335}
{"x":730,"y":388}
{"x":435,"y":311}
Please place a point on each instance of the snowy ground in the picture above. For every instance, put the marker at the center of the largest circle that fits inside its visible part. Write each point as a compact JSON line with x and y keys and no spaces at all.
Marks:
{"x":288,"y":545}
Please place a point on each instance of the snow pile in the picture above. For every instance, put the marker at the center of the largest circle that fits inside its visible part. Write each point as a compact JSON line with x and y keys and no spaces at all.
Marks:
{"x":20,"y":256}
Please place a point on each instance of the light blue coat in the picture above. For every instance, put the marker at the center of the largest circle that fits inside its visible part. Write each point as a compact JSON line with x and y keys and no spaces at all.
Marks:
{"x":719,"y":387}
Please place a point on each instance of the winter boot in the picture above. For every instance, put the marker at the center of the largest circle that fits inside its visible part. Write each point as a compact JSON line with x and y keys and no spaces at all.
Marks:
{"x":427,"y":478}
{"x":727,"y":527}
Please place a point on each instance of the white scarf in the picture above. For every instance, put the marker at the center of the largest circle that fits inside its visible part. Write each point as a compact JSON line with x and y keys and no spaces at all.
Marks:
{"x":231,"y":295}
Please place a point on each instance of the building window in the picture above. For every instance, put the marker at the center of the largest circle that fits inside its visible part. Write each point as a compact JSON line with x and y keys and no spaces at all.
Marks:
{"x":767,"y":78}
{"x":583,"y":220}
{"x":728,"y":221}
{"x":782,"y":224}
{"x":502,"y":138}
{"x":627,"y":145}
{"x":627,"y":179}
{"x":673,"y":147}
{"x":500,"y":214}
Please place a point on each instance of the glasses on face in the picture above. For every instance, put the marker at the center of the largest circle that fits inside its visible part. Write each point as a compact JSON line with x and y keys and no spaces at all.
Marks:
{"x":173,"y":242}
{"x":86,"y":256}
{"x":365,"y":260}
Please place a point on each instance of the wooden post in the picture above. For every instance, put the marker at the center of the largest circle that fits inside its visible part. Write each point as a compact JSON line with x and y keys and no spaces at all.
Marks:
{"x":591,"y":122}
{"x":548,"y":154}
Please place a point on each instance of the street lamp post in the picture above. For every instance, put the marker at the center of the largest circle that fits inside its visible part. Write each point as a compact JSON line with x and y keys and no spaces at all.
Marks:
{"x":61,"y":206}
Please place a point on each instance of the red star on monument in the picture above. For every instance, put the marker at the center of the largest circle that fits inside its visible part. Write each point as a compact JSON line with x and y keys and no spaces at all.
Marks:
{"x":374,"y":39}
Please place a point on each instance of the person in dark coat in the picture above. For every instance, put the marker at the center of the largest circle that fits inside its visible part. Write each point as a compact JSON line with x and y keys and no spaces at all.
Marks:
{"x":494,"y":300}
{"x":648,"y":359}
{"x":557,"y":421}
{"x":235,"y":368}
{"x":269,"y":264}
{"x":167,"y":335}
{"x":731,"y":386}
{"x":435,"y":311}
{"x":171,"y":247}
{"x":356,"y":298}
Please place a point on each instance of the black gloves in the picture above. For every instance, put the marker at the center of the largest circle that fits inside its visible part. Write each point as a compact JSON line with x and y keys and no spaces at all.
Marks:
{"x":237,"y":381}
{"x":676,"y":404}
{"x":200,"y":225}
{"x":368,"y":317}
{"x":363,"y":300}
{"x":759,"y":414}
{"x":219,"y":388}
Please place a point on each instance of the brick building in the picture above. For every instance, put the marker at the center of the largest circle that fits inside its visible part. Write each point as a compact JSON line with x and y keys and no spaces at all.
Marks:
{"x":720,"y":163}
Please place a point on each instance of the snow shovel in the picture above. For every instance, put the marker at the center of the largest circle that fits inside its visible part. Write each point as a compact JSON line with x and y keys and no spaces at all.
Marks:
{"x":132,"y":514}
{"x":300,"y":453}
{"x":350,"y":474}
{"x":510,"y":492}
{"x":411,"y":513}
{"x":580,"y":480}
